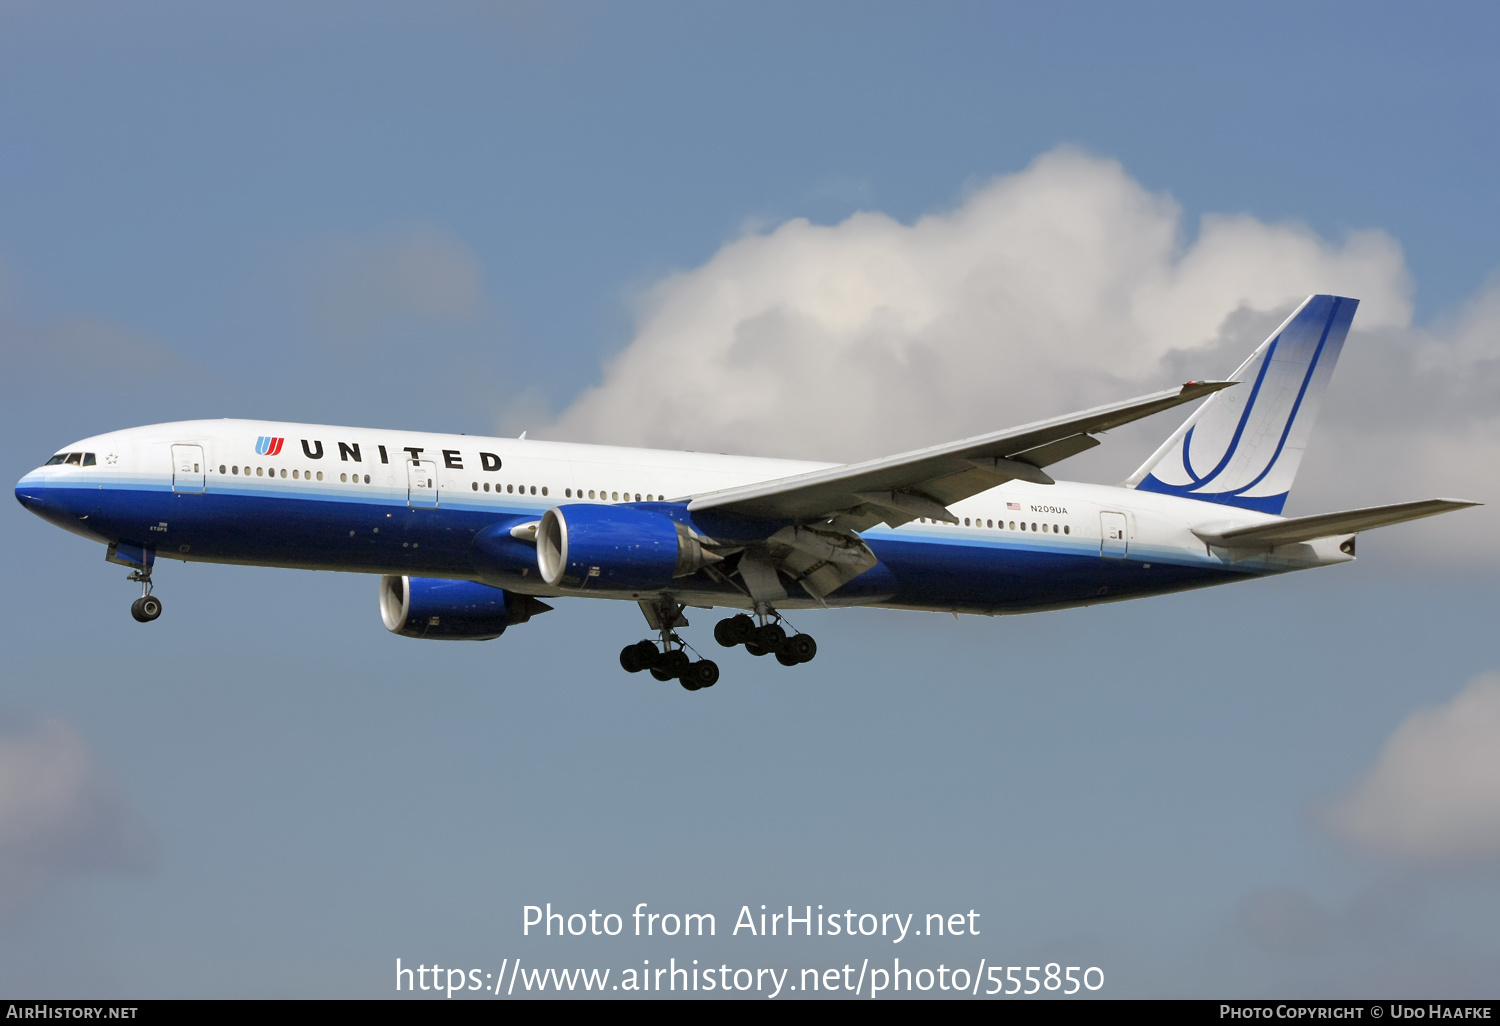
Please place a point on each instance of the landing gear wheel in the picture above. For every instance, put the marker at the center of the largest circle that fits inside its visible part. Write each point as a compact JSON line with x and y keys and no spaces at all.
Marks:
{"x":734,"y":630}
{"x":640,"y":656}
{"x":661,"y":675}
{"x":146,"y":608}
{"x":702,"y":674}
{"x":770,"y":637}
{"x":755,"y":649}
{"x":676,"y":662}
{"x":786,"y":658}
{"x":801,"y":647}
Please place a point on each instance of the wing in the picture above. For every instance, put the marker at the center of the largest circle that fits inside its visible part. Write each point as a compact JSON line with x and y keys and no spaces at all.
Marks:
{"x":1328,"y":525}
{"x":924,"y":482}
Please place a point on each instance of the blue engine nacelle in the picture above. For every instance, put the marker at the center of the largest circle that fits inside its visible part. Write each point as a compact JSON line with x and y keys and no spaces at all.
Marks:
{"x":429,"y":607}
{"x":614,"y":547}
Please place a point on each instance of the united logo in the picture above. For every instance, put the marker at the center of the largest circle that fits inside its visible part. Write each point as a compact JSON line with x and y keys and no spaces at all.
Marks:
{"x":265,"y":445}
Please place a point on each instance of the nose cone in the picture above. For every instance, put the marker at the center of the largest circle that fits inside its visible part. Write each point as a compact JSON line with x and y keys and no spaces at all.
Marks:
{"x":33,"y":493}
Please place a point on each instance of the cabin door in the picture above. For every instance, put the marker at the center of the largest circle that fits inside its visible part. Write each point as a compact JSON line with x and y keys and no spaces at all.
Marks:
{"x":187,"y":469}
{"x":421,"y":484}
{"x":1116,"y":537}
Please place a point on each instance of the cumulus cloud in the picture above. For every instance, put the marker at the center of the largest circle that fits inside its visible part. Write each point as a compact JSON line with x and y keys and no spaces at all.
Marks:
{"x":1065,"y":285}
{"x":422,"y":272}
{"x":1433,"y":794}
{"x":60,"y":815}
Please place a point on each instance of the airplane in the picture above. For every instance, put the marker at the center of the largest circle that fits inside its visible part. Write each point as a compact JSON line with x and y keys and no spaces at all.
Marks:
{"x":470,"y":535}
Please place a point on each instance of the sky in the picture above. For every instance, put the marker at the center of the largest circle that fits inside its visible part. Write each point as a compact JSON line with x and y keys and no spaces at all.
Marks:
{"x":826,"y":231}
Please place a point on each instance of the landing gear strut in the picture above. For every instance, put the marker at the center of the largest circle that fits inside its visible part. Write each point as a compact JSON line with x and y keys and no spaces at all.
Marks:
{"x":148,"y":606}
{"x":671,"y":661}
{"x":767,"y":638}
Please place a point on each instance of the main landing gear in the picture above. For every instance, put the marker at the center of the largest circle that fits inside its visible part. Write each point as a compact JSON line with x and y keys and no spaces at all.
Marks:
{"x":767,"y":638}
{"x":148,"y":606}
{"x":671,"y":662}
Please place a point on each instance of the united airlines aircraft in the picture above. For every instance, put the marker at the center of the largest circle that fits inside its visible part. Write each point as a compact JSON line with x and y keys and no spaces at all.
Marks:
{"x":468,"y":536}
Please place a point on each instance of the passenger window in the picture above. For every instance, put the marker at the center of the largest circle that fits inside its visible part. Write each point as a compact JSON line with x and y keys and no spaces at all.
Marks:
{"x":258,"y":471}
{"x":637,"y":496}
{"x":1012,"y":525}
{"x":570,"y":493}
{"x":591,"y":493}
{"x":1023,"y":525}
{"x":989,"y":523}
{"x":283,"y":472}
{"x":1065,"y":529}
{"x":1033,"y":527}
{"x":367,"y":479}
{"x":533,"y":489}
{"x":1044,"y":528}
{"x":222,"y":469}
{"x":344,"y":478}
{"x":235,"y":470}
{"x":475,"y":485}
{"x":544,"y":489}
{"x":966,"y":521}
{"x":296,"y":474}
{"x":88,"y":461}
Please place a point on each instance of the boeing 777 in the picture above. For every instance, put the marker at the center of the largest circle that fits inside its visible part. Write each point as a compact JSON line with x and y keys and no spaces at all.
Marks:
{"x":470,"y":535}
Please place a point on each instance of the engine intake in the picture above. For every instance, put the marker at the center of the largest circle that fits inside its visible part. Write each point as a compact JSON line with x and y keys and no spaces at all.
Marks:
{"x":615,"y":547}
{"x":428,"y":607}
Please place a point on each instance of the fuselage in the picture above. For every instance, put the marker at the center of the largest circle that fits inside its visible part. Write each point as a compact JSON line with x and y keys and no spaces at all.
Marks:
{"x":407,"y":503}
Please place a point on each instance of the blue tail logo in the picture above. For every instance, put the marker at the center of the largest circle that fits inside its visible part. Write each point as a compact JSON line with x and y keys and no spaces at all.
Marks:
{"x":1243,"y":446}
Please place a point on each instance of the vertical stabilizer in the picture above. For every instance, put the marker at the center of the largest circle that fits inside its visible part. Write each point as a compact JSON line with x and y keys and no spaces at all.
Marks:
{"x":1243,"y":446}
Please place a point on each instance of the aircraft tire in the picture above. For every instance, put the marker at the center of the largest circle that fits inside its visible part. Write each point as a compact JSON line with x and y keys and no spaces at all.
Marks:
{"x":755,"y":649}
{"x":675,"y":663}
{"x":802,"y":647}
{"x":146,"y":608}
{"x":786,"y":658}
{"x":770,"y":637}
{"x":704,"y":674}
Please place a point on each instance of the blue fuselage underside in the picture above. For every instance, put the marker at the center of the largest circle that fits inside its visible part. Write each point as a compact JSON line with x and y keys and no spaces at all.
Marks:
{"x":960,"y":573}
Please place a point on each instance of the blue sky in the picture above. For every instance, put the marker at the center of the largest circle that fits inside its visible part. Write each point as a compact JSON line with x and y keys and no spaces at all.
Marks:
{"x":464,"y":217}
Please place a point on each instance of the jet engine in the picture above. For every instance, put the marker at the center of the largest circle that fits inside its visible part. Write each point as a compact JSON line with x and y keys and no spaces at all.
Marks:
{"x":428,"y":607}
{"x":615,"y":547}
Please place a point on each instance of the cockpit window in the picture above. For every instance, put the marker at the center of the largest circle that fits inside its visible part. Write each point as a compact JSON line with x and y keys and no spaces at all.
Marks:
{"x":88,"y":459}
{"x":74,"y":459}
{"x":54,"y":461}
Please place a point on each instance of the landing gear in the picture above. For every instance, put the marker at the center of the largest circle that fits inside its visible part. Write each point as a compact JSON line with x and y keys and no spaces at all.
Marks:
{"x":667,"y":658}
{"x":769,"y":638}
{"x":148,"y":606}
{"x":670,"y":661}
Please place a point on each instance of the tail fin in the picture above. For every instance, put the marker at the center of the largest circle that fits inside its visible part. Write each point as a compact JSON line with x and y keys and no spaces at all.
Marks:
{"x":1242,"y":447}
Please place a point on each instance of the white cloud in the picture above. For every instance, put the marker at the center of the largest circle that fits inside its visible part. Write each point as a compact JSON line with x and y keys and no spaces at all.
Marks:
{"x":1433,"y":794}
{"x":59,"y":815}
{"x":1062,"y":286}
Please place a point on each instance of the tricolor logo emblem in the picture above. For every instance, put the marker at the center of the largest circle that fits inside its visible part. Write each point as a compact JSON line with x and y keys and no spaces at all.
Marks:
{"x":265,"y":445}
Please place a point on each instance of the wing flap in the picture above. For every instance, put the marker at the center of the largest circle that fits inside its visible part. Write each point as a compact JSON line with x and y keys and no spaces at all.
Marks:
{"x":1328,"y":525}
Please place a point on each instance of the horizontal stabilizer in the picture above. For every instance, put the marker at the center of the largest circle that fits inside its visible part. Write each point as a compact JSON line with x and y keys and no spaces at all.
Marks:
{"x":1328,"y":525}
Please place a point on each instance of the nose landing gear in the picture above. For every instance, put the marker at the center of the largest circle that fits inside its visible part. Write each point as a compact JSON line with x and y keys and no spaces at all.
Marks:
{"x":148,"y":606}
